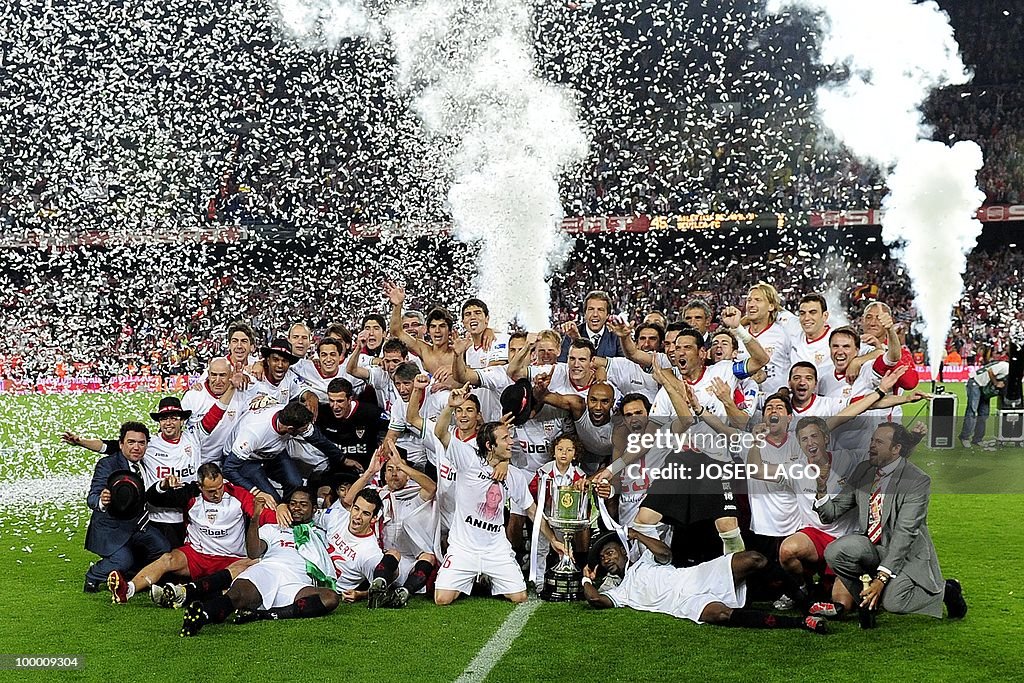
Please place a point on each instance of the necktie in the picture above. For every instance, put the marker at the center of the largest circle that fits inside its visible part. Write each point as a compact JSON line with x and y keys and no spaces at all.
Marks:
{"x":874,"y":530}
{"x":595,"y":339}
{"x":144,"y":518}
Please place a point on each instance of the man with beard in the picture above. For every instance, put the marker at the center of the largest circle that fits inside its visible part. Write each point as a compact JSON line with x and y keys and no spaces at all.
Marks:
{"x":355,"y":426}
{"x":762,"y":312}
{"x":890,"y":496}
{"x":713,"y":592}
{"x":294,"y":578}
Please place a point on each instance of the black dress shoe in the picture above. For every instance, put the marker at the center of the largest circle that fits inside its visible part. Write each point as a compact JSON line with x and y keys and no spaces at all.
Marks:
{"x":956,"y":606}
{"x":90,"y":587}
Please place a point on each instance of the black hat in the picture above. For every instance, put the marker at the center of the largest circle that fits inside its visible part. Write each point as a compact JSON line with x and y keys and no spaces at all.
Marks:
{"x":594,"y":556}
{"x":518,"y":400}
{"x":282,"y":347}
{"x":127,"y":495}
{"x":170,"y":405}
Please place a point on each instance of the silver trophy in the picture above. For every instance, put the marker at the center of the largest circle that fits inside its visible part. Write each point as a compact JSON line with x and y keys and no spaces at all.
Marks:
{"x":567,"y":510}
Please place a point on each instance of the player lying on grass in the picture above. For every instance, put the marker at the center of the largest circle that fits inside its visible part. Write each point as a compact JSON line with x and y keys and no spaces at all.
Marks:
{"x":216,"y":513}
{"x":295,"y":577}
{"x":710,"y":593}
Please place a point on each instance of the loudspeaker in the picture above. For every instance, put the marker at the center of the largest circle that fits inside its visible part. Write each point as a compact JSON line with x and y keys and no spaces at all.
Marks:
{"x":1012,"y":397}
{"x":942,"y":422}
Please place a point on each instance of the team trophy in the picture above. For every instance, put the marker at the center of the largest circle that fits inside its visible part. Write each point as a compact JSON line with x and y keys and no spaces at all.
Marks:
{"x":567,"y":510}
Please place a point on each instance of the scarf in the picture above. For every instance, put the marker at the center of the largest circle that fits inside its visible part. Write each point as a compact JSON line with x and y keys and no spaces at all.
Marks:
{"x":311,"y":544}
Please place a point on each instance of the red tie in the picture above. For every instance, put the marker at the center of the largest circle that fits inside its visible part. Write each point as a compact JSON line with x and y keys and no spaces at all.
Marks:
{"x":875,"y":509}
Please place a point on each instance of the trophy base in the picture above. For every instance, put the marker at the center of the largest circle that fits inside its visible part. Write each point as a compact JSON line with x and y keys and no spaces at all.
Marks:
{"x":562,"y":586}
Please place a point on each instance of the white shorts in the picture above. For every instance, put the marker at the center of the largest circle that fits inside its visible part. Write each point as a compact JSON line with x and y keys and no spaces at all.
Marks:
{"x":461,"y":566}
{"x":277,"y":586}
{"x":704,"y":584}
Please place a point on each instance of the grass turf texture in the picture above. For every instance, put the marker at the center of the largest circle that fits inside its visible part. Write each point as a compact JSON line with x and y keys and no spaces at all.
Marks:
{"x":45,"y":612}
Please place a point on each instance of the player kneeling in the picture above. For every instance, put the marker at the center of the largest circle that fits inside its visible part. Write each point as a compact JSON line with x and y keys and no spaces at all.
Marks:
{"x":295,"y":577}
{"x":713,"y":592}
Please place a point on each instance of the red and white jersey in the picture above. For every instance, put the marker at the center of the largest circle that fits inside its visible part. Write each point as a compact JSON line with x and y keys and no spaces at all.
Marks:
{"x":481,"y":356}
{"x":180,"y":458}
{"x":199,"y":400}
{"x":627,"y":377}
{"x":282,"y":555}
{"x":532,"y":442}
{"x":219,"y":528}
{"x":257,"y":437}
{"x":835,"y":384}
{"x":408,"y":520}
{"x":556,"y":478}
{"x":560,"y":382}
{"x":479,"y":521}
{"x":317,"y":382}
{"x":815,"y":351}
{"x":819,"y":406}
{"x":777,"y":345}
{"x":354,"y":557}
{"x":390,"y":401}
{"x":773,"y":505}
{"x":806,"y":489}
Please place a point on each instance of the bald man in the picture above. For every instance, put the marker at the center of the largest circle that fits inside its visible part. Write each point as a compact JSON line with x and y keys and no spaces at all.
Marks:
{"x":203,"y":396}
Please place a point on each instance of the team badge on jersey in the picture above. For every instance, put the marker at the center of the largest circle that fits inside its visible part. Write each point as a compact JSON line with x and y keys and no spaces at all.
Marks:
{"x":211,"y":514}
{"x":359,"y":433}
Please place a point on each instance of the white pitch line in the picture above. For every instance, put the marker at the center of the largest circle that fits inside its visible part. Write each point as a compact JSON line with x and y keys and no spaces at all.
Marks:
{"x":499,"y":643}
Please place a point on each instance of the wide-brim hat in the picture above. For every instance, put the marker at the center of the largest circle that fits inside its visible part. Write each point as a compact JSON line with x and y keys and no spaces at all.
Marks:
{"x":517,"y":399}
{"x":280,"y":346}
{"x":170,"y":405}
{"x":127,"y":495}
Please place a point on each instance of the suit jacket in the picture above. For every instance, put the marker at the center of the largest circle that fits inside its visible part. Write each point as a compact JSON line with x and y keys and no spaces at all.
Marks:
{"x":609,"y":346}
{"x":106,"y":535}
{"x":905,"y":546}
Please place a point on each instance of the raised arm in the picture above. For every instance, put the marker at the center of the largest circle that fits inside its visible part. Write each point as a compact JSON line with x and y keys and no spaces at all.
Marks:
{"x":463,"y":373}
{"x":396,"y":295}
{"x":428,"y":487}
{"x":352,"y":366}
{"x":519,"y":364}
{"x":95,"y":445}
{"x":624,"y":331}
{"x":867,"y":401}
{"x":359,"y":484}
{"x":759,"y":358}
{"x":254,"y":545}
{"x":444,"y":420}
{"x":571,"y":403}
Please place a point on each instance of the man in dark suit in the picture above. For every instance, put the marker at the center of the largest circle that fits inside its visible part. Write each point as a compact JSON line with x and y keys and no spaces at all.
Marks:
{"x":596,"y":309}
{"x":891,"y":496}
{"x":121,"y":543}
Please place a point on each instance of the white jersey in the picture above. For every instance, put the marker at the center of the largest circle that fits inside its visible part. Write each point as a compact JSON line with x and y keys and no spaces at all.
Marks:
{"x":479,"y":521}
{"x":819,"y":406}
{"x":495,"y":378}
{"x":430,"y":409}
{"x":257,"y":438}
{"x":315,"y":381}
{"x":773,"y":505}
{"x":165,"y":458}
{"x":703,"y":437}
{"x":814,"y":351}
{"x":835,"y":385}
{"x":532,"y":445}
{"x":355,"y":557}
{"x":776,"y":343}
{"x":560,"y":382}
{"x":441,"y":458}
{"x":199,"y":400}
{"x":681,"y":592}
{"x":408,"y":520}
{"x":595,"y":439}
{"x":261,"y":390}
{"x":282,"y":555}
{"x":219,"y":528}
{"x":628,"y":377}
{"x":806,"y":489}
{"x":633,"y":489}
{"x":481,"y":356}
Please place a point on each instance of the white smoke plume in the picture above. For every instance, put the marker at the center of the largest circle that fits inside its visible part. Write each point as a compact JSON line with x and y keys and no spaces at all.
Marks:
{"x":896,"y":53}
{"x":505,"y":132}
{"x":323,"y":24}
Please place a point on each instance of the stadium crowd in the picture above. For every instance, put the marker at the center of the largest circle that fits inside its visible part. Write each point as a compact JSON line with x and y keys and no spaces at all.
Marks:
{"x":405,"y":456}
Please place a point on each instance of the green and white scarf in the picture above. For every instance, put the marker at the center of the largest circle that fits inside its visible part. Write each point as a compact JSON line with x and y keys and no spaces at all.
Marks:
{"x":311,"y":543}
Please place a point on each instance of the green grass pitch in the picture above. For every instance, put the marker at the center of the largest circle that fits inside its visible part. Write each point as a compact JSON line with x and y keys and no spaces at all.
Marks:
{"x":44,"y":612}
